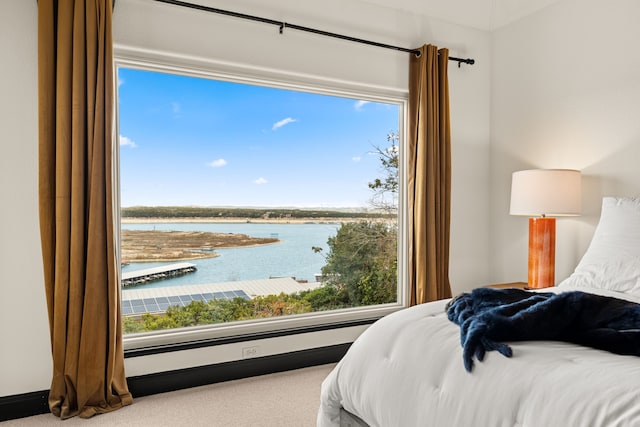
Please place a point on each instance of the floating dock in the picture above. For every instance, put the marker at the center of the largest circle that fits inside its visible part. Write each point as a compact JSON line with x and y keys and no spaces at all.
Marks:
{"x":147,"y":275}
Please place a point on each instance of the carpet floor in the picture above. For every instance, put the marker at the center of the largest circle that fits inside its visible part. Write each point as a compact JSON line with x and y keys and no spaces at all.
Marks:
{"x":285,"y":399}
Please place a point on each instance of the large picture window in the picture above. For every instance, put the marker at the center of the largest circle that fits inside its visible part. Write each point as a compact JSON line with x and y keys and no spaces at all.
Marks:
{"x":242,"y":202}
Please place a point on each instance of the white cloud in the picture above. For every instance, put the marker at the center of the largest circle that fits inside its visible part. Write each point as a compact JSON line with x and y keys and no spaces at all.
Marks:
{"x":359,"y":104}
{"x":356,"y":158}
{"x":218,"y":163}
{"x":120,"y":81}
{"x":175,"y":107}
{"x":260,"y":181}
{"x":126,"y":142}
{"x":282,"y":122}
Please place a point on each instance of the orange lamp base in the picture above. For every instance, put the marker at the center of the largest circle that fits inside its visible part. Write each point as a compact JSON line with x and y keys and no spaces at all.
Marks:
{"x":542,"y":252}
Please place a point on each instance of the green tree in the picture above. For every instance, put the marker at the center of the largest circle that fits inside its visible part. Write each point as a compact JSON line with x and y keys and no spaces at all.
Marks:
{"x":326,"y":297}
{"x":381,"y":284}
{"x":131,"y":325}
{"x":154,"y":322}
{"x":218,"y":311}
{"x":279,"y":305}
{"x":363,"y":259}
{"x":229,"y":310}
{"x":386,"y":188}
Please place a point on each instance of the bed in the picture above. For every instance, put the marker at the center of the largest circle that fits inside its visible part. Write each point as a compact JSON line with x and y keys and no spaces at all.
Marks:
{"x":407,"y":368}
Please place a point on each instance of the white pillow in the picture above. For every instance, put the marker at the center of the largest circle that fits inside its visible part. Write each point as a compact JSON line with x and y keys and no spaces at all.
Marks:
{"x":612,"y":260}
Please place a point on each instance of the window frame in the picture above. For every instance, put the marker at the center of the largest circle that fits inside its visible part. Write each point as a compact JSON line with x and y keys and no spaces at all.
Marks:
{"x":246,"y":330}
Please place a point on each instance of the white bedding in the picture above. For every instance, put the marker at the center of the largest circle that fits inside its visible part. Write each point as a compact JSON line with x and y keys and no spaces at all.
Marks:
{"x":406,"y":370}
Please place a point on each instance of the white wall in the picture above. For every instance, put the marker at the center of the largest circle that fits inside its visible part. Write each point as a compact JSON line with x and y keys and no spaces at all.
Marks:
{"x":25,"y":361}
{"x":24,"y":356}
{"x":565,"y":94}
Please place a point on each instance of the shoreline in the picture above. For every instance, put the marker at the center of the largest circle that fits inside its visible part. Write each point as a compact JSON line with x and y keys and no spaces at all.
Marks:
{"x":202,"y":255}
{"x":168,"y":246}
{"x":142,"y":261}
{"x":194,"y":220}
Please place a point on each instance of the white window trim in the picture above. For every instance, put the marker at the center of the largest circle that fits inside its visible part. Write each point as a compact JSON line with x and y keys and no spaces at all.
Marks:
{"x":200,"y":67}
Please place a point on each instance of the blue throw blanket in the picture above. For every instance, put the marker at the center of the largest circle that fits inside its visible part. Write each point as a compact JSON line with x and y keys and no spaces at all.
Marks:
{"x":487,"y":317}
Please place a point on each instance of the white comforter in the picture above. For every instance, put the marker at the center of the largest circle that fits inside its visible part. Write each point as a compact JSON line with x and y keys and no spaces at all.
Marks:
{"x":406,"y":370}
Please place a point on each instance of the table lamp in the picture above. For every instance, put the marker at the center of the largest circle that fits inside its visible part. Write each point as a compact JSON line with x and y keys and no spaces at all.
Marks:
{"x":543,"y":194}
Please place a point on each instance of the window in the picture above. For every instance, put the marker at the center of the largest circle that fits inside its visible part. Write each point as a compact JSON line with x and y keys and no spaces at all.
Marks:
{"x":252,"y":203}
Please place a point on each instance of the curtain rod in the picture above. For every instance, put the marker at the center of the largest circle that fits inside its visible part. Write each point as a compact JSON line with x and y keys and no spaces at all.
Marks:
{"x":283,"y":25}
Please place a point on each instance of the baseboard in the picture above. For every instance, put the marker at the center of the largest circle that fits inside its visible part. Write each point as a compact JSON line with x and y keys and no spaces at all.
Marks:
{"x":24,"y":405}
{"x":36,"y":403}
{"x":193,"y":377}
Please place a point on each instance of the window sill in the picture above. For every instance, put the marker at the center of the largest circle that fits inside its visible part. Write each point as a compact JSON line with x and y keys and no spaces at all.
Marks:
{"x":157,"y":342}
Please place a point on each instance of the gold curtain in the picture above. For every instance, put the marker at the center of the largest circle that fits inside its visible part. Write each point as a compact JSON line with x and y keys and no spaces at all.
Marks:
{"x":429,"y":175}
{"x":75,"y":108}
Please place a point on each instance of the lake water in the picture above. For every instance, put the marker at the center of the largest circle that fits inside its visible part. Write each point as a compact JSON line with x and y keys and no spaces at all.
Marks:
{"x":292,"y":257}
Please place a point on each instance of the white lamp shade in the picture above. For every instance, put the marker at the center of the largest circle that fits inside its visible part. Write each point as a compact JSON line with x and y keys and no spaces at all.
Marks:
{"x":546,"y":192}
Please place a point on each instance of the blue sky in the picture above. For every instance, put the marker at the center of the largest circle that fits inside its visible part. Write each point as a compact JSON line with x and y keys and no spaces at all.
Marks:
{"x":188,"y":141}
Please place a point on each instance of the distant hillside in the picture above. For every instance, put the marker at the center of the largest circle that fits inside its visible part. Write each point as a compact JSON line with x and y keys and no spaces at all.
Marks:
{"x":227,"y":212}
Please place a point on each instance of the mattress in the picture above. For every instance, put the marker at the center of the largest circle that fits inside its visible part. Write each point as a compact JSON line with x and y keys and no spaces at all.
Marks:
{"x":406,"y":370}
{"x":347,"y":419}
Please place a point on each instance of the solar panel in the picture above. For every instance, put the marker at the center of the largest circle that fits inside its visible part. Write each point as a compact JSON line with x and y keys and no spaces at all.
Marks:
{"x":139,"y":309}
{"x":152,"y":308}
{"x":161,"y":303}
{"x":126,"y":307}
